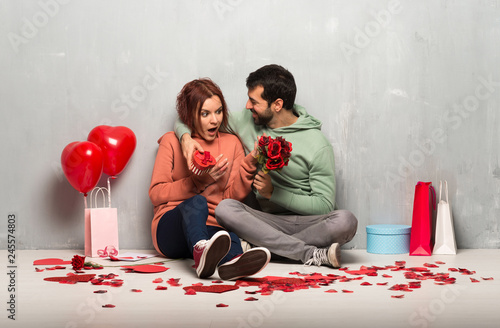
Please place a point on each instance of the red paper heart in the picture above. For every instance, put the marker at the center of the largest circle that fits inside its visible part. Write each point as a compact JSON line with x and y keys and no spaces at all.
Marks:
{"x":362,"y":271}
{"x":212,"y":289}
{"x":77,"y":278}
{"x":148,"y":268}
{"x":50,"y":261}
{"x":117,"y":145}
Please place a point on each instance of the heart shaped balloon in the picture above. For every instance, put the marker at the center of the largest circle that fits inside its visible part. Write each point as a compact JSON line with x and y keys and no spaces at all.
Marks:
{"x":117,"y":145}
{"x":82,"y":165}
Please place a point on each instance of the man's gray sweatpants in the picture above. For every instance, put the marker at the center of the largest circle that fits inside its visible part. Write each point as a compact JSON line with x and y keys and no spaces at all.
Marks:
{"x":291,"y":236}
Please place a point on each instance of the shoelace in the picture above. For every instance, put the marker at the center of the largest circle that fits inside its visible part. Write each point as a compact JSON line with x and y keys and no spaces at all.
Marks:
{"x":200,"y":244}
{"x":319,"y":257}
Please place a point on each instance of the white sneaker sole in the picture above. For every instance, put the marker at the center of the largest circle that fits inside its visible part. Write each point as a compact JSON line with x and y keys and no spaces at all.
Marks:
{"x":214,"y":252}
{"x":334,"y":255}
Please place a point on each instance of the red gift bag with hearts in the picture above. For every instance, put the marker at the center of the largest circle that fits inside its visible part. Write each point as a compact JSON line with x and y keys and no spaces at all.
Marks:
{"x":101,"y":227}
{"x":423,"y":221}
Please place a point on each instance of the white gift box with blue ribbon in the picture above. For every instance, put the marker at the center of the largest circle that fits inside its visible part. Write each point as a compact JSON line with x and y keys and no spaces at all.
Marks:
{"x":388,"y":239}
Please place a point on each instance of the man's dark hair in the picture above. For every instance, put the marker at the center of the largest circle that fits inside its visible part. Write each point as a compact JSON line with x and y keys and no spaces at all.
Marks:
{"x":277,"y":82}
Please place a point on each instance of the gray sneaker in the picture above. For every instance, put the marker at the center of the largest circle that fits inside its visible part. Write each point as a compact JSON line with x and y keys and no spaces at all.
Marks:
{"x":326,"y":256}
{"x":245,"y":245}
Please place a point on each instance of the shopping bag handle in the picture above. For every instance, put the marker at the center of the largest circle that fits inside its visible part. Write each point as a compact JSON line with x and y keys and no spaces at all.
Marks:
{"x":93,"y":196}
{"x":445,"y":189}
{"x":433,"y":193}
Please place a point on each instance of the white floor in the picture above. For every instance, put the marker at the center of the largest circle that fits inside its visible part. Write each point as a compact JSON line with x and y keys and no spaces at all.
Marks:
{"x":40,"y":303}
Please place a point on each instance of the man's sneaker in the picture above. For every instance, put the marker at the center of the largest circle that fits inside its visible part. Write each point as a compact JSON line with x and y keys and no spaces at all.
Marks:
{"x":245,"y":245}
{"x":326,"y":256}
{"x":208,"y":253}
{"x":247,"y":264}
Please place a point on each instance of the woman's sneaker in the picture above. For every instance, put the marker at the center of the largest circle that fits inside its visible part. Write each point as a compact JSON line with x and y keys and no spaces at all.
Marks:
{"x":208,"y":253}
{"x":247,"y":264}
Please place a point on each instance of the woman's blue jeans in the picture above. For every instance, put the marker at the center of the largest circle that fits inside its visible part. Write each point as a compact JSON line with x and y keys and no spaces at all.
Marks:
{"x":182,"y":227}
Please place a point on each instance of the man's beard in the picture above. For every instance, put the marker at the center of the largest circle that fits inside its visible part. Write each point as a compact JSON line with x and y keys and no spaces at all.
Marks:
{"x":263,"y":118}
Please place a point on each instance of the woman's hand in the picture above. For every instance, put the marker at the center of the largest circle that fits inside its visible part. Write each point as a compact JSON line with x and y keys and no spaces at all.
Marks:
{"x":188,"y":147}
{"x":263,"y":184}
{"x":219,"y":169}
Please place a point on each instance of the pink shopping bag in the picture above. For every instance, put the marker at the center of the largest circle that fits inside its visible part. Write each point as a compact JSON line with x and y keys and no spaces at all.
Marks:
{"x":101,"y":228}
{"x":423,"y":222}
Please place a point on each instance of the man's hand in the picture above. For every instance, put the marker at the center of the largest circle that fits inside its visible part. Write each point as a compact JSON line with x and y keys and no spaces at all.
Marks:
{"x":219,"y":169}
{"x":262,"y":182}
{"x":189,"y":146}
{"x":255,"y":150}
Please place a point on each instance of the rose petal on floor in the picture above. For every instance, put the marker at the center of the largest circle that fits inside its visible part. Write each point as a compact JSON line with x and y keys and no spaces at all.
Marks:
{"x":251,"y":299}
{"x":190,"y":291}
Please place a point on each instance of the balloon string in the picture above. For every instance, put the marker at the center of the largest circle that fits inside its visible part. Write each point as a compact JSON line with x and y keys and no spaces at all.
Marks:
{"x":85,"y":200}
{"x":109,"y":192}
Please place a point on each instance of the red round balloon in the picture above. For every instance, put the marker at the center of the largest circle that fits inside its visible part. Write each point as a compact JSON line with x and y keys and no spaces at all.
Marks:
{"x":82,"y":165}
{"x":117,"y":145}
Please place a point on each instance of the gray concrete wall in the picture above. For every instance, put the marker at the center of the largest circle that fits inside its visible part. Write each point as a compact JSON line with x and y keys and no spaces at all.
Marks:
{"x":408,"y":91}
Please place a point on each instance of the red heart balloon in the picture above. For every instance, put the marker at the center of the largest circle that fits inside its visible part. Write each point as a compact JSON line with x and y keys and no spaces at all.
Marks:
{"x":117,"y":145}
{"x":82,"y":165}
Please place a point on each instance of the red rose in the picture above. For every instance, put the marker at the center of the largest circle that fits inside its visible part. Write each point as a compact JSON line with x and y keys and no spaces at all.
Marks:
{"x":275,"y":164}
{"x":286,"y":149}
{"x":77,"y":262}
{"x":274,"y":149}
{"x":264,"y":141}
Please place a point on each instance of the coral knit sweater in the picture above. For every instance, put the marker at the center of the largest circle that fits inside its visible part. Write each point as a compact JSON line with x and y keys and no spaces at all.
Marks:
{"x":173,"y":182}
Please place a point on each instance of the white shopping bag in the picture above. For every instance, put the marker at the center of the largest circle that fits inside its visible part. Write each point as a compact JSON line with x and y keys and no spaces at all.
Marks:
{"x":445,"y":234}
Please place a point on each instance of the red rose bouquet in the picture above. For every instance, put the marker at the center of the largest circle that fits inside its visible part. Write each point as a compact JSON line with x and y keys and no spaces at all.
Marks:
{"x":273,"y":153}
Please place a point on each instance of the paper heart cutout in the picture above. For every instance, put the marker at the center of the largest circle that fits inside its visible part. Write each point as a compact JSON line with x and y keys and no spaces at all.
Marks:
{"x":212,"y":289}
{"x":76,"y":277}
{"x":82,"y":165}
{"x":50,"y":261}
{"x":117,"y":145}
{"x":147,"y":268}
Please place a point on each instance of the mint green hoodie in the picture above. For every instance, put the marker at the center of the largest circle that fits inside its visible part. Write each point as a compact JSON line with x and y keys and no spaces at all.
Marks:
{"x":307,"y":185}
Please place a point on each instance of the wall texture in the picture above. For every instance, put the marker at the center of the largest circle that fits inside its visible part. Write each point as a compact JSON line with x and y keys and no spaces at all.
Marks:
{"x":408,"y":91}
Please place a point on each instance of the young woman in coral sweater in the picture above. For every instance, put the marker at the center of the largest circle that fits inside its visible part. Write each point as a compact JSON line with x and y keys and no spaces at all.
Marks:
{"x":185,"y":197}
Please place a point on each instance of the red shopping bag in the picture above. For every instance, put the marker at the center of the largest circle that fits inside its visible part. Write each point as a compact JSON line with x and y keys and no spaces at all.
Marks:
{"x":101,"y":228}
{"x":423,"y":222}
